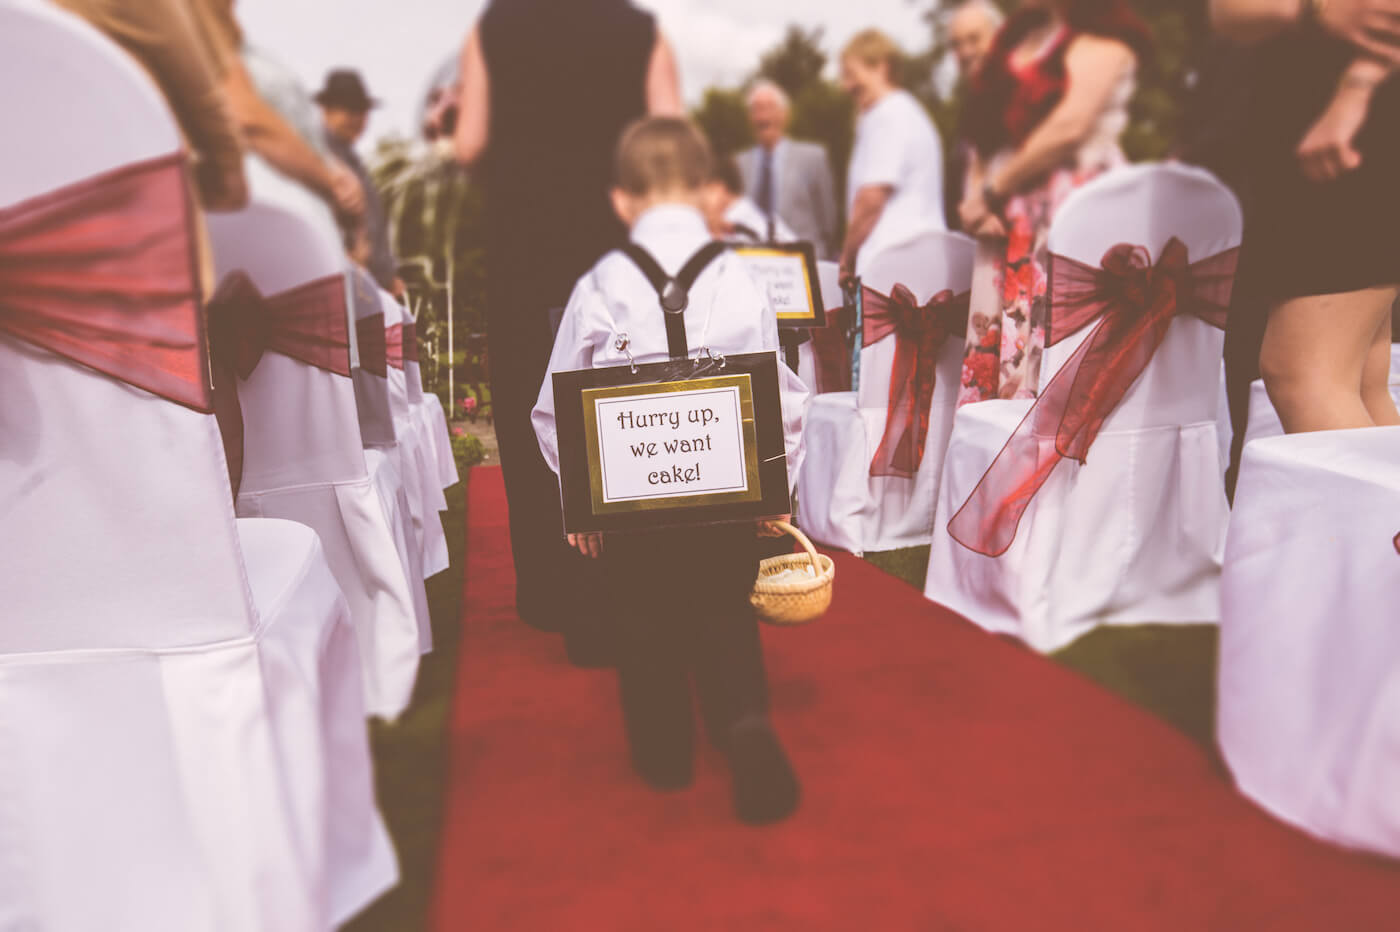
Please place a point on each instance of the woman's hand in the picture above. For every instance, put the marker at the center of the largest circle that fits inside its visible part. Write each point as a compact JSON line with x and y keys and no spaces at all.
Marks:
{"x":991,"y":228}
{"x":1373,"y":26}
{"x":1327,"y":151}
{"x":973,"y":212}
{"x":978,"y":219}
{"x":346,"y":189}
{"x":590,"y":544}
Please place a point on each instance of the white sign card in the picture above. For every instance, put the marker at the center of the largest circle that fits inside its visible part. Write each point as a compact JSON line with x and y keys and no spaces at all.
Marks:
{"x":786,"y":275}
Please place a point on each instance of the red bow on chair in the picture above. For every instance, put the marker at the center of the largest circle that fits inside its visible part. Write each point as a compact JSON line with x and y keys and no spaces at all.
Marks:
{"x":308,"y":323}
{"x":401,"y":342}
{"x":101,"y":272}
{"x":920,"y":331}
{"x":1135,"y":303}
{"x":831,"y":352}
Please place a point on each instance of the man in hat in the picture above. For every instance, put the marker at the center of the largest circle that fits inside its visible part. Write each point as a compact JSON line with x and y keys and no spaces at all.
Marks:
{"x":345,"y":106}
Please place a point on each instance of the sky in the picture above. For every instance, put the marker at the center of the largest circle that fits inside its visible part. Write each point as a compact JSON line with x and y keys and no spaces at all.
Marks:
{"x":398,"y":44}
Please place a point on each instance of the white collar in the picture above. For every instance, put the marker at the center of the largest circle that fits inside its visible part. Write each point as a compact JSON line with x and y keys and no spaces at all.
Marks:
{"x":669,"y":221}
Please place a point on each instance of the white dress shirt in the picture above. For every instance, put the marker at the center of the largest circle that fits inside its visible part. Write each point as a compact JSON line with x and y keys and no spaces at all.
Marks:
{"x":744,"y":211}
{"x":727,"y":314}
{"x":897,"y":147}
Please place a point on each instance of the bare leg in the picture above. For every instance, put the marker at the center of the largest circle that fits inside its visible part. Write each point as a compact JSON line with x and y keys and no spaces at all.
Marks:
{"x":1314,"y":356}
{"x":1375,"y":378}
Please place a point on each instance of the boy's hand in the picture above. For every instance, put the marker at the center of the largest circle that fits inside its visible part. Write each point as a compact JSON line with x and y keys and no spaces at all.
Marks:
{"x":590,"y":544}
{"x":771,"y":529}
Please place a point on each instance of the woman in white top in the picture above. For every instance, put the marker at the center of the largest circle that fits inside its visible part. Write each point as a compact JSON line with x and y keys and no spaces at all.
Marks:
{"x":894,"y":186}
{"x":1044,"y":115}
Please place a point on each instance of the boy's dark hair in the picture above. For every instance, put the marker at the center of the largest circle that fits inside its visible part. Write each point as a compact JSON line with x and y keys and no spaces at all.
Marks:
{"x":662,"y":154}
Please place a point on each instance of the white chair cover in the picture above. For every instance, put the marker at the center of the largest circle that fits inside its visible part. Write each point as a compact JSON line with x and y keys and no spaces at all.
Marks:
{"x":432,"y":421}
{"x":181,"y":714}
{"x":1135,"y":534}
{"x":436,"y":420}
{"x":415,"y":461}
{"x":1309,"y":699}
{"x":380,"y":440}
{"x":1263,"y":419}
{"x":303,"y":455}
{"x":841,"y":504}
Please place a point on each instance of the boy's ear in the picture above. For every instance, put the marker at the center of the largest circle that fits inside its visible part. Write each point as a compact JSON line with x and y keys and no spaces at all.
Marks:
{"x":623,"y":206}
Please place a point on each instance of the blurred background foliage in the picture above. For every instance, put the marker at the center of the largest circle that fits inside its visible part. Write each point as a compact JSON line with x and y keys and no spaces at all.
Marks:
{"x":436,"y":212}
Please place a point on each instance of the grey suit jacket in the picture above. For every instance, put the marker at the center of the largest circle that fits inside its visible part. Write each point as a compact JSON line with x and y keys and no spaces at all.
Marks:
{"x":806,"y":197}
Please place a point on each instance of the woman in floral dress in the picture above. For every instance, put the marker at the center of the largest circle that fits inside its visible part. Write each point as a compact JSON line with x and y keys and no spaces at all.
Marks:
{"x":1043,"y":117}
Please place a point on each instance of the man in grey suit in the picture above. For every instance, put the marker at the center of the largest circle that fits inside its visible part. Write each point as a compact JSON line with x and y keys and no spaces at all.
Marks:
{"x":788,"y":180}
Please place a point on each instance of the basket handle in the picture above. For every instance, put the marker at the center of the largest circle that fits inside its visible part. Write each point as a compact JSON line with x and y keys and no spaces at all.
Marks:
{"x":804,"y":541}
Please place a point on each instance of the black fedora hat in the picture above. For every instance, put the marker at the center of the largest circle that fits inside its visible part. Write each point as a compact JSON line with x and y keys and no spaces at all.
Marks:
{"x":345,"y":90}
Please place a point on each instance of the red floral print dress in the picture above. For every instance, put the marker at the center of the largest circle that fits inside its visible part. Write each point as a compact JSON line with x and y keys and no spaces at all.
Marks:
{"x":1006,"y":324}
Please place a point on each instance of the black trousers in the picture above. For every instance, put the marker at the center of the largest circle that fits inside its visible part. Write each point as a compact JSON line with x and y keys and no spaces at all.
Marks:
{"x":679,"y":601}
{"x":555,"y":587}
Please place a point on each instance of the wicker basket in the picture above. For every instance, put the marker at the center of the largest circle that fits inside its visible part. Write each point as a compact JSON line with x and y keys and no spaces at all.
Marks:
{"x":793,"y":601}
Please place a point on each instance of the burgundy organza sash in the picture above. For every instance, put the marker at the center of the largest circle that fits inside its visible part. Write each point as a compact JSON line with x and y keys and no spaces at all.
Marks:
{"x":402,"y":340}
{"x":308,"y":323}
{"x":102,"y":272}
{"x":1135,"y":302}
{"x":373,"y":345}
{"x":919,"y":331}
{"x":831,"y":352}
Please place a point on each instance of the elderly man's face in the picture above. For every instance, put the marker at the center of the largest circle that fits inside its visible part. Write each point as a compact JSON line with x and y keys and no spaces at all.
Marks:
{"x":970,"y":34}
{"x":767,"y":119}
{"x":347,"y":125}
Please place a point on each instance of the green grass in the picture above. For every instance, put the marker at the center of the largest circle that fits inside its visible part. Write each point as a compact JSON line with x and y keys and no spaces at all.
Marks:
{"x":1167,"y":669}
{"x":410,"y":756}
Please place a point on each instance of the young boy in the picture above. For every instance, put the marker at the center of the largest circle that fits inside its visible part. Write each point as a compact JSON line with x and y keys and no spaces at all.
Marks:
{"x":734,"y":217}
{"x":680,"y":597}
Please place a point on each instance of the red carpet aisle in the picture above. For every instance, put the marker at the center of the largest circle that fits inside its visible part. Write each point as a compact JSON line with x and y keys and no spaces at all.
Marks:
{"x":951,"y":782}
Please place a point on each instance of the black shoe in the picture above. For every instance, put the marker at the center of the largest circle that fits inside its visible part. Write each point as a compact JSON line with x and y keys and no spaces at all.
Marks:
{"x":765,"y":786}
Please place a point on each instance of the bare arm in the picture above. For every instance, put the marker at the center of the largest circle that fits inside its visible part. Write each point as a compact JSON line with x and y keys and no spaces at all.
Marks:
{"x":1373,"y":26}
{"x":1327,"y":152}
{"x":474,"y":103}
{"x":663,"y":81}
{"x":1094,"y":66}
{"x":273,"y":138}
{"x":869,"y":204}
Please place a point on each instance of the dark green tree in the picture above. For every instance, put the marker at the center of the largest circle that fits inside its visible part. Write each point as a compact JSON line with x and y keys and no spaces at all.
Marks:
{"x":724,"y":117}
{"x":796,"y":62}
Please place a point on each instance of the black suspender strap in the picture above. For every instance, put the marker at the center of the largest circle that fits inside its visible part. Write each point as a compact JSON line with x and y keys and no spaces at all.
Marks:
{"x":747,"y":232}
{"x":674,"y":293}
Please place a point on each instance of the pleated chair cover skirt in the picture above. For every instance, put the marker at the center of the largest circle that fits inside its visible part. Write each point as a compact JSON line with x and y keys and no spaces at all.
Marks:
{"x":1309,"y":676}
{"x":840,"y":504}
{"x":393,"y":497}
{"x":436,"y":420}
{"x":1105,"y":542}
{"x":1136,"y":533}
{"x":303,"y":454}
{"x":415,"y":461}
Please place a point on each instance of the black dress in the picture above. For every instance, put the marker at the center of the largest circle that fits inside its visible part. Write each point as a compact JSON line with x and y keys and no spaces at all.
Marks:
{"x":566,"y":77}
{"x":1301,"y":237}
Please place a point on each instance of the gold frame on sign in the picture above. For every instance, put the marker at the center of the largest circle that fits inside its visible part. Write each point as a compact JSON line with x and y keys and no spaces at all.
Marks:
{"x":743,"y":382}
{"x":778,"y":252}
